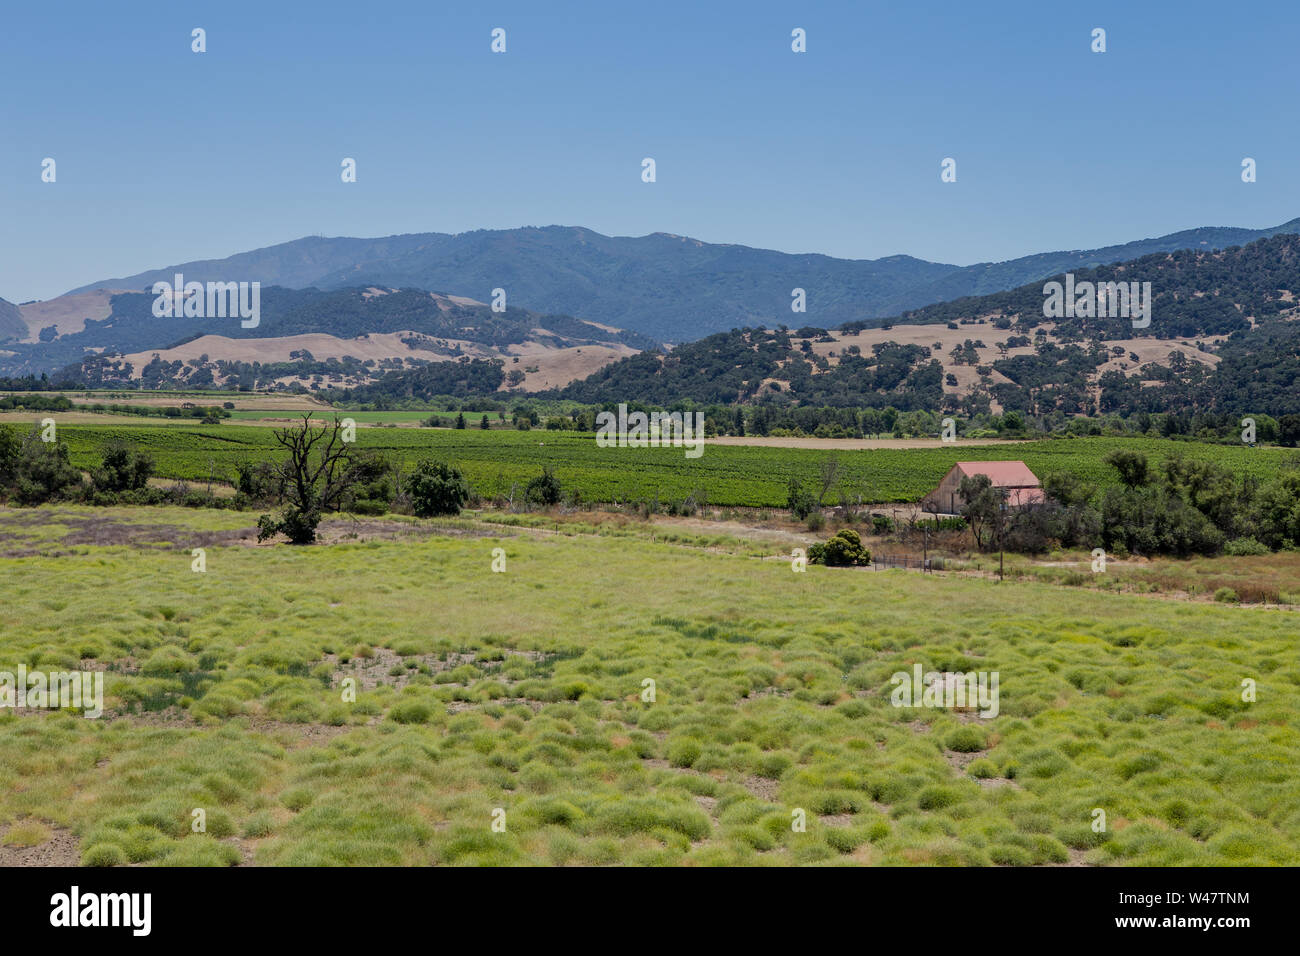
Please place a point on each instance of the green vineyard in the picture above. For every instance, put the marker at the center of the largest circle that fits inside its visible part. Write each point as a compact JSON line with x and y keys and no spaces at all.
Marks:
{"x":728,"y":475}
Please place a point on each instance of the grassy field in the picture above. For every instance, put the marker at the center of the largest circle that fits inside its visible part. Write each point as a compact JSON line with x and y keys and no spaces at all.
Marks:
{"x":729,"y":475}
{"x":520,"y":692}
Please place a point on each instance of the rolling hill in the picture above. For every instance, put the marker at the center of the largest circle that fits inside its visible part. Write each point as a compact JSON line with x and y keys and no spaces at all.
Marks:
{"x":347,"y":336}
{"x":1224,"y":336}
{"x":11,"y":321}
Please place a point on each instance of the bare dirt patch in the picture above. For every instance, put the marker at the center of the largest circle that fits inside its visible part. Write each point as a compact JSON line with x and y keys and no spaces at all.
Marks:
{"x":116,"y":530}
{"x":762,"y":787}
{"x":351,"y":530}
{"x":60,"y":849}
{"x":105,"y":530}
{"x":109,"y":532}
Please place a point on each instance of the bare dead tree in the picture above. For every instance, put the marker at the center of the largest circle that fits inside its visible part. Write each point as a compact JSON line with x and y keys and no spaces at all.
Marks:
{"x":318,"y":471}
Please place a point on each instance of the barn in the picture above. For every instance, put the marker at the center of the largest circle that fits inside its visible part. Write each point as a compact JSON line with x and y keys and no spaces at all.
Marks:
{"x":1022,"y":485}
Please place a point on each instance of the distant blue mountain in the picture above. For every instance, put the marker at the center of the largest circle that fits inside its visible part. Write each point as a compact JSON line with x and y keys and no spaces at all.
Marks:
{"x":667,"y":287}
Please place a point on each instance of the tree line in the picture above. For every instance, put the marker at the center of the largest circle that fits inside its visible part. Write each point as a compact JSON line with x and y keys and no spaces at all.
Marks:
{"x":1187,"y":506}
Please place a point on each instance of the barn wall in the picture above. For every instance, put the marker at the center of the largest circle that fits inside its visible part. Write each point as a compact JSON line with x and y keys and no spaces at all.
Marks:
{"x":944,"y":498}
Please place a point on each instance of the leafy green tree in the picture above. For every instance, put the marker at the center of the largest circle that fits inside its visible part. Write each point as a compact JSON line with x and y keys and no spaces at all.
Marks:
{"x":1068,"y":489}
{"x":371,"y":490}
{"x":483,"y":423}
{"x":1131,"y":465}
{"x":1068,"y":515}
{"x":1288,"y":427}
{"x":1155,"y":520}
{"x":982,"y":508}
{"x":1278,"y":511}
{"x":544,"y":489}
{"x":1212,"y":490}
{"x":800,"y":502}
{"x":259,"y":481}
{"x":122,"y":469}
{"x":44,"y":472}
{"x":10,"y":449}
{"x":437,"y":488}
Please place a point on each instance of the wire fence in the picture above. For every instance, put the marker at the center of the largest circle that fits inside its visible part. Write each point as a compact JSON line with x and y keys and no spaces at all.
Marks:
{"x":912,"y":562}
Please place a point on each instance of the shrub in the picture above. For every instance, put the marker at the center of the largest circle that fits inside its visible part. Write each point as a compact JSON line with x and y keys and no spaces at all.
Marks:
{"x":1226,"y":596}
{"x":370,"y":491}
{"x":411,"y":712}
{"x":845,"y":839}
{"x":437,"y":488}
{"x":297,"y":799}
{"x":104,"y":854}
{"x":771,"y":766}
{"x":219,"y":824}
{"x":544,"y":489}
{"x":201,"y":851}
{"x":260,"y":824}
{"x":649,"y":814}
{"x":1009,"y":856}
{"x":967,"y":739}
{"x":684,"y":752}
{"x":843,"y":549}
{"x":1244,"y":547}
{"x":298,"y":526}
{"x":937,"y":798}
{"x":556,"y":812}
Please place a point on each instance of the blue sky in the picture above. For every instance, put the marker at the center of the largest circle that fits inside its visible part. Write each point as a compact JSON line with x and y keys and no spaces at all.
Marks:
{"x":165,"y":156}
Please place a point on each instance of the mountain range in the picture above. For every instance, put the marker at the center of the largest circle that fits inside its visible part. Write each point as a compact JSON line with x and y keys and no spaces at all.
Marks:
{"x":667,"y":287}
{"x":344,"y":312}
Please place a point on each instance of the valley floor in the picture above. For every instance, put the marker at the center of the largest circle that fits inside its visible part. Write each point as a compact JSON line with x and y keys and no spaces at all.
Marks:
{"x":506,"y":717}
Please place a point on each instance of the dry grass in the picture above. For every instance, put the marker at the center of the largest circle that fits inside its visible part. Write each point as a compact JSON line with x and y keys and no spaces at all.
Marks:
{"x":1262,"y":579}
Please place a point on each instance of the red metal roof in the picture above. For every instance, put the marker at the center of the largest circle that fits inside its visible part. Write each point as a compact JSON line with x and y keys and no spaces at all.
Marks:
{"x":1003,"y":474}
